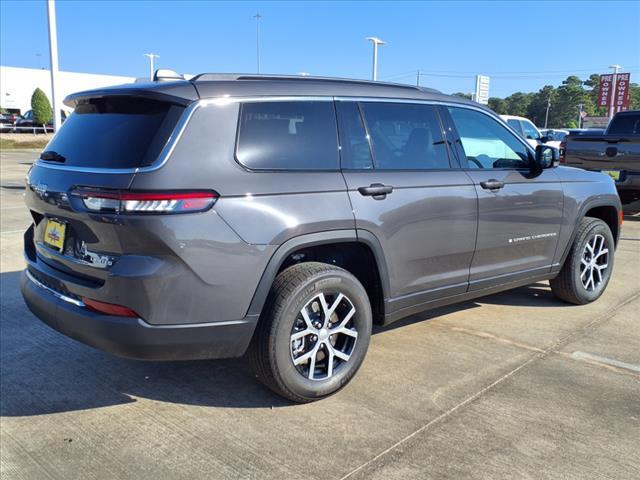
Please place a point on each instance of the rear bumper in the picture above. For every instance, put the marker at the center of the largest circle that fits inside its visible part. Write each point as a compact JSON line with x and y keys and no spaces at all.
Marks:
{"x":134,"y":338}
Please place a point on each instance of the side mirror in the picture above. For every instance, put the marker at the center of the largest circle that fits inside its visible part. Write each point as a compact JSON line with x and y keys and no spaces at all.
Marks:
{"x":546,"y":157}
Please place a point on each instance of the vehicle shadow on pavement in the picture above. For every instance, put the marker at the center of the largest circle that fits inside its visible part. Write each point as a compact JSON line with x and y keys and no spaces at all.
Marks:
{"x":43,"y":372}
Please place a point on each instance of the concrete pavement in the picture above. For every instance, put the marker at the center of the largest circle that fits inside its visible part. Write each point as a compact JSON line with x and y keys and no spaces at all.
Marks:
{"x":496,"y":388}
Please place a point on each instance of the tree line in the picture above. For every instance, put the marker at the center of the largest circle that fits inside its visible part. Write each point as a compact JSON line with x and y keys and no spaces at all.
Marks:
{"x":565,"y":102}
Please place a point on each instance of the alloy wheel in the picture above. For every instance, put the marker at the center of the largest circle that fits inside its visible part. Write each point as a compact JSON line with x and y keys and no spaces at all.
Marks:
{"x":594,"y":263}
{"x":323,"y":336}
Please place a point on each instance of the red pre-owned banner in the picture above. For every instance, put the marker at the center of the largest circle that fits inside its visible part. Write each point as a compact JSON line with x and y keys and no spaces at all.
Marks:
{"x":618,"y":98}
{"x":622,"y":95}
{"x":606,"y":87}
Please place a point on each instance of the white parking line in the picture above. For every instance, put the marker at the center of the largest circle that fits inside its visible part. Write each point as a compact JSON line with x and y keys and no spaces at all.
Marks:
{"x":607,"y":361}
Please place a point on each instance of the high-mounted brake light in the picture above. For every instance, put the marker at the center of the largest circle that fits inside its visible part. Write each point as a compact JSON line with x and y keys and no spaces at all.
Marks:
{"x":109,"y":308}
{"x":146,"y":202}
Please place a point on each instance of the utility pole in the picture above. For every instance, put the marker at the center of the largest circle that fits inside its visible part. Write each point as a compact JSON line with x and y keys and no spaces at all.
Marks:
{"x":53,"y":56}
{"x":375,"y":41}
{"x":257,"y":16}
{"x":546,"y":116}
{"x":580,"y":107}
{"x":418,"y":79}
{"x":615,"y":82}
{"x":151,"y":56}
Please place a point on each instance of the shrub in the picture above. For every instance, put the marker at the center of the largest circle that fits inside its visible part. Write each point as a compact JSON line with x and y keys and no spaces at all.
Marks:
{"x":42,"y":111}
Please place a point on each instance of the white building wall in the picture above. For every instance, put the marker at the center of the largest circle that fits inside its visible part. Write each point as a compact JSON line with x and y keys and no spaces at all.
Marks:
{"x":17,"y":84}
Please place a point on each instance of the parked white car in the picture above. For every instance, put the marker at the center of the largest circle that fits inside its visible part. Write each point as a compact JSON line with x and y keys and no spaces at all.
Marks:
{"x":526,"y":129}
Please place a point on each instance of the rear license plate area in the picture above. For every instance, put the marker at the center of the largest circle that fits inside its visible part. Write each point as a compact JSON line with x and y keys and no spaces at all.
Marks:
{"x":54,"y":234}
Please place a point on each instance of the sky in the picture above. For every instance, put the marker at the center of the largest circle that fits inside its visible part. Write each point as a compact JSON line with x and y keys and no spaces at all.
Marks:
{"x":522,"y":46}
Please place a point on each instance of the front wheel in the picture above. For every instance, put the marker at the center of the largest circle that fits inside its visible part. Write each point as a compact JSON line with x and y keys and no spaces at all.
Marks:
{"x":314,"y":332}
{"x":587,"y":269}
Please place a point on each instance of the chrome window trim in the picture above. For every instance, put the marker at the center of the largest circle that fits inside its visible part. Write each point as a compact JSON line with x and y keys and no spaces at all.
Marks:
{"x":64,"y":298}
{"x":181,"y":126}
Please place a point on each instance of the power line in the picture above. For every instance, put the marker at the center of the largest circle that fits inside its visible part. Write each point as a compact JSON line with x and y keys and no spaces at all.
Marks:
{"x":503,"y":75}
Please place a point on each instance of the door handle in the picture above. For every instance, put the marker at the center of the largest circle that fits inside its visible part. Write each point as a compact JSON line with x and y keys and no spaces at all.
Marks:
{"x":611,"y":151}
{"x":376,"y":190}
{"x":492,"y":184}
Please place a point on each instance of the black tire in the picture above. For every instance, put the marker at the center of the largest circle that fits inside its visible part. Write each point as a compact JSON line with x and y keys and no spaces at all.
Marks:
{"x":271,"y":351}
{"x":568,"y":285}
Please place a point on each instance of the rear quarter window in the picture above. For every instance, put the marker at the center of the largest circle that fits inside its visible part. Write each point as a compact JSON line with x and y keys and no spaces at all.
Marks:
{"x":116,"y":132}
{"x":297,"y":135}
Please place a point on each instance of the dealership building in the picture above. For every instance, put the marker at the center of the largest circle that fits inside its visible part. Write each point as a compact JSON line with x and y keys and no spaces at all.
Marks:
{"x":17,"y":85}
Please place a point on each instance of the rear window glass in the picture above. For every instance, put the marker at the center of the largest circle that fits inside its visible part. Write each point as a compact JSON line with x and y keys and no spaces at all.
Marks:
{"x":116,"y":132}
{"x":625,"y":125}
{"x":288,"y":136}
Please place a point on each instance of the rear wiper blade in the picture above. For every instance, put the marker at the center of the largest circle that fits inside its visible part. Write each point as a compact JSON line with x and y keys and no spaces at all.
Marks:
{"x":51,"y":156}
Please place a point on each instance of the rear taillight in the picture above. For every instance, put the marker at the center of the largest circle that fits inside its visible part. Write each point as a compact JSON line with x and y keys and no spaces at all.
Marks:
{"x":562,"y":147}
{"x":109,"y":308}
{"x":145,"y":202}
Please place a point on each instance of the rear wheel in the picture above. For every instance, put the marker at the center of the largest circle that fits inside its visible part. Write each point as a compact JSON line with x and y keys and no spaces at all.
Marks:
{"x":587,"y":269}
{"x":314,"y":332}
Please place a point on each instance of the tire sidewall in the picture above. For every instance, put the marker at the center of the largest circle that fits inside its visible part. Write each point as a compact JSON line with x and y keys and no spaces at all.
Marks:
{"x":336,"y":281}
{"x":601,"y":228}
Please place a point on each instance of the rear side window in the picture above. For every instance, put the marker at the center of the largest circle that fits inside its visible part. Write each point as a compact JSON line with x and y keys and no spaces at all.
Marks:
{"x":515,"y":124}
{"x":354,"y":143}
{"x":405,"y":136}
{"x":116,"y":132}
{"x":298,"y":135}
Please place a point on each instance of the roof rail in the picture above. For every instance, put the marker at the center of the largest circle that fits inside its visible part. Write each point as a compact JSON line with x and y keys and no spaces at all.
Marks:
{"x":207,"y":77}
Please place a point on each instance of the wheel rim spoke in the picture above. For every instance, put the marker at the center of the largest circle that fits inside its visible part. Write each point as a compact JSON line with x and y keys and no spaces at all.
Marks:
{"x":301,"y":334}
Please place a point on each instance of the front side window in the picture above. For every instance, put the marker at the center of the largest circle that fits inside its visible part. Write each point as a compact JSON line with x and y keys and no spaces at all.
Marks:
{"x":299,"y":135}
{"x":486,"y":143}
{"x":405,"y":136}
{"x":530,"y":131}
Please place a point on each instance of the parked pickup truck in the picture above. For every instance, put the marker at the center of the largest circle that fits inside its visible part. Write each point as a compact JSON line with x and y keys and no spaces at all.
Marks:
{"x":616,"y":152}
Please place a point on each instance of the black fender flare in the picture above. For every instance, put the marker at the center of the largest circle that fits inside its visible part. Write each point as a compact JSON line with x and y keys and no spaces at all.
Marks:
{"x":586,"y":206}
{"x":311,"y":240}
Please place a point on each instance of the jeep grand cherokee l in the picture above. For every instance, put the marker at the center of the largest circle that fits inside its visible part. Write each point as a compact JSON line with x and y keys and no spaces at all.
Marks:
{"x":281,"y":217}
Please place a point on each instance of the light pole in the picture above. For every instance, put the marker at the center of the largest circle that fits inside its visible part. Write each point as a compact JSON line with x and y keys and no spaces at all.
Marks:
{"x":53,"y":56}
{"x":546,"y":115}
{"x":614,"y":84}
{"x":376,"y":41}
{"x":257,"y":16}
{"x":151,"y":56}
{"x":580,"y":107}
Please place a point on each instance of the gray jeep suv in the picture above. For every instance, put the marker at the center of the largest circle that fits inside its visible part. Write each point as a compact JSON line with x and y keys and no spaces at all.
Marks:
{"x":283,"y":216}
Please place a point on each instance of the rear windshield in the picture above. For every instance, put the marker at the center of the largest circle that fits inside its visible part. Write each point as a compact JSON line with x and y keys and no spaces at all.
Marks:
{"x":625,"y":125}
{"x":115,"y":132}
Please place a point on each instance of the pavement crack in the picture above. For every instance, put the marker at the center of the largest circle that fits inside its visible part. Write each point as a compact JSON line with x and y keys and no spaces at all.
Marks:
{"x":543,"y":353}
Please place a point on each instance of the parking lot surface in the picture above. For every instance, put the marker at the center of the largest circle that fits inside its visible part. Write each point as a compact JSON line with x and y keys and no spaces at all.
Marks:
{"x":515,"y":385}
